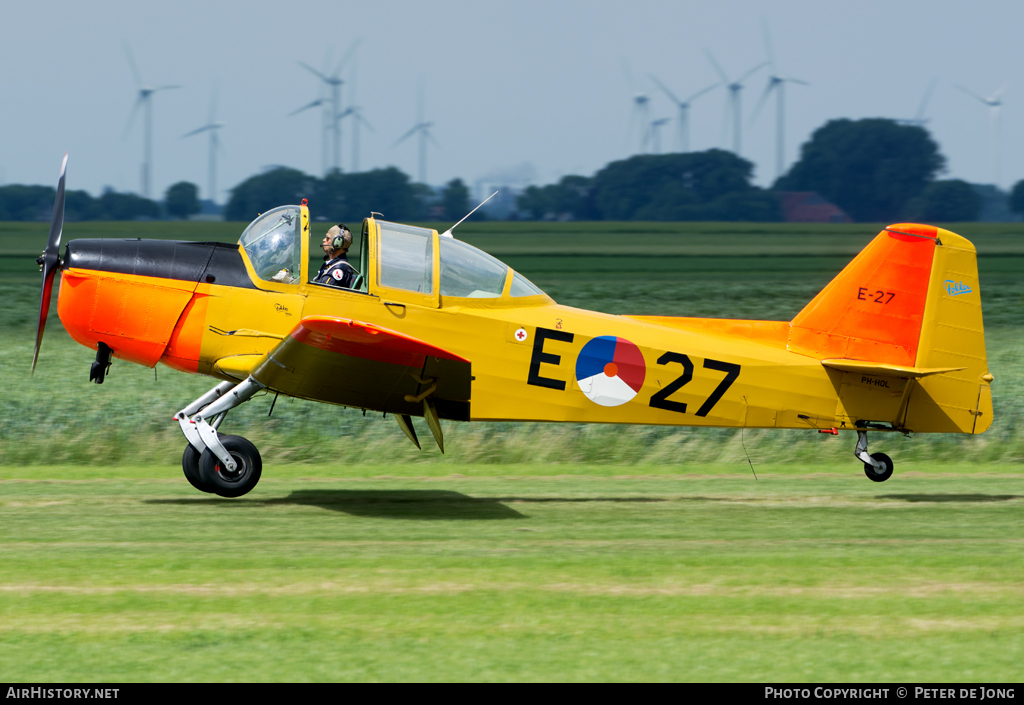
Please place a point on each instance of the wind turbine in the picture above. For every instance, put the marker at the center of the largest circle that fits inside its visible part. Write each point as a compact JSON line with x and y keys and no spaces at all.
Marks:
{"x":423,"y":129}
{"x":334,"y":83}
{"x":683,"y":121}
{"x":733,"y":99}
{"x":919,"y":120}
{"x":776,"y":83}
{"x":211,"y":126}
{"x":654,"y":132}
{"x":641,"y":112}
{"x":144,"y":99}
{"x":994,"y":103}
{"x":356,"y":113}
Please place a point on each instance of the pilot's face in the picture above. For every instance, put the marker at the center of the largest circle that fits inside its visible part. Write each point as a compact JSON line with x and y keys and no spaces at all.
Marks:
{"x":326,"y":245}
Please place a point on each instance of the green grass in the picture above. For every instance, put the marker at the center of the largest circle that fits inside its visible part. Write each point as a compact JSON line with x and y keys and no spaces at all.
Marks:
{"x":350,"y":573}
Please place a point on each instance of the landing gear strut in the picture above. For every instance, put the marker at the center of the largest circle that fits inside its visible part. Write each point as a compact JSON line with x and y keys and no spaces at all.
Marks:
{"x":877,"y":466}
{"x":229,"y":466}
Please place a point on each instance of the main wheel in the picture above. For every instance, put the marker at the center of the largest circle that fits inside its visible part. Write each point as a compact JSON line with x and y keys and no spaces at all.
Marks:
{"x":190,"y":466}
{"x":873,"y":473}
{"x":232,"y":483}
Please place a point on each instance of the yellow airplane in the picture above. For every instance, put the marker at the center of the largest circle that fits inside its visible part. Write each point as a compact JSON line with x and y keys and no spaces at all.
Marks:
{"x":436,"y":328}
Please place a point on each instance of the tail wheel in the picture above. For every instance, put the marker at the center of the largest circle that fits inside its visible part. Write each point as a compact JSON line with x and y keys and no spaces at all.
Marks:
{"x":190,"y":466}
{"x":238,"y":482}
{"x":874,"y":473}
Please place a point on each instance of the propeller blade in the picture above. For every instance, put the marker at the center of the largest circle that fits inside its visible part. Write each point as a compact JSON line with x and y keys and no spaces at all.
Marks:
{"x":50,"y":259}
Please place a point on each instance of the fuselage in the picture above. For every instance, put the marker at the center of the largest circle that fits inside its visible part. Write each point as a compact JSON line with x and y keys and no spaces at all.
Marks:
{"x":201,"y":308}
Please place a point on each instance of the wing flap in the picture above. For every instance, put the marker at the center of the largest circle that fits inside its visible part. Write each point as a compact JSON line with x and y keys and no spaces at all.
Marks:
{"x":357,"y":364}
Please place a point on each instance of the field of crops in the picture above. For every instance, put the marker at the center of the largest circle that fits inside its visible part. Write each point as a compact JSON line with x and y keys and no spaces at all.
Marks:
{"x":527,"y":552}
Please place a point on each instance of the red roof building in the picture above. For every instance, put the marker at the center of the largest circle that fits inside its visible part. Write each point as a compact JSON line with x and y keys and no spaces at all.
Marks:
{"x":810,"y":207}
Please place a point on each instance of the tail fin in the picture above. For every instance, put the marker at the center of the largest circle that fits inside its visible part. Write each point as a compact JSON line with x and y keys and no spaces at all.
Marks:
{"x":909,"y":302}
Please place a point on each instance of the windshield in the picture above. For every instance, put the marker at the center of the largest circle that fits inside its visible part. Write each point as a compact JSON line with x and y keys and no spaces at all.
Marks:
{"x":467,"y":271}
{"x":273,"y":246}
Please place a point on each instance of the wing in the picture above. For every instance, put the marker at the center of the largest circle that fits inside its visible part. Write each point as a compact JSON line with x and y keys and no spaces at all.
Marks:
{"x":361,"y":365}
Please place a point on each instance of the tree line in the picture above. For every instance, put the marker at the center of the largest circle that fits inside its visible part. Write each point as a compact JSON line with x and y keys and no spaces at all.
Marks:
{"x":874,"y":169}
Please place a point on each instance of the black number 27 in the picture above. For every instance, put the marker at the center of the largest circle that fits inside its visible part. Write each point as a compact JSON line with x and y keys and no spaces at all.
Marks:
{"x":661,"y":399}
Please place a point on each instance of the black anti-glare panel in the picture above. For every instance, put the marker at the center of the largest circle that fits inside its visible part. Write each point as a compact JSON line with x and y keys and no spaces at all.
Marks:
{"x":211,"y":262}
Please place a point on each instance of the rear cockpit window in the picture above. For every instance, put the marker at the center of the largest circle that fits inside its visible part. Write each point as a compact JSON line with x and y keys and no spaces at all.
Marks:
{"x":406,"y":257}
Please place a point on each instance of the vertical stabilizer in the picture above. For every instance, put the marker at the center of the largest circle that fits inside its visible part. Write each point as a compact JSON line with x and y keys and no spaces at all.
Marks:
{"x":910,"y":300}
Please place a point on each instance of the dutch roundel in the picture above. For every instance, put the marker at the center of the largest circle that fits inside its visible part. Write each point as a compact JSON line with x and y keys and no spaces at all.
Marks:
{"x":610,"y":370}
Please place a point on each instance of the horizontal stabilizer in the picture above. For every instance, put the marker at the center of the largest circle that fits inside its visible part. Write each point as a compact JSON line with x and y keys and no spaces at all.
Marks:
{"x":885,"y":369}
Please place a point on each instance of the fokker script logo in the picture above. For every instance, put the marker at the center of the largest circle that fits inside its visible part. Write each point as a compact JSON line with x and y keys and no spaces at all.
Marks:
{"x":956,"y":288}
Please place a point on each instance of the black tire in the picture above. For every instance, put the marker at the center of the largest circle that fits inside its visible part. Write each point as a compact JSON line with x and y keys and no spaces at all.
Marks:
{"x":190,"y":466}
{"x":232,"y":484}
{"x":873,"y":473}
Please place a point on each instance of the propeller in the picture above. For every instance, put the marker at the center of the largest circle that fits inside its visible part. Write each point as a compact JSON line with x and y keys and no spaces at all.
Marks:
{"x":49,"y":261}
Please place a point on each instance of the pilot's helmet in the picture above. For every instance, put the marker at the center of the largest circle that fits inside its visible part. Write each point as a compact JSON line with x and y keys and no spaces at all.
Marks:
{"x":341,"y":238}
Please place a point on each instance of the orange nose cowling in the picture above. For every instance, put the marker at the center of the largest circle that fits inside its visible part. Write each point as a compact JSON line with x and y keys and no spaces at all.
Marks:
{"x":136,"y":316}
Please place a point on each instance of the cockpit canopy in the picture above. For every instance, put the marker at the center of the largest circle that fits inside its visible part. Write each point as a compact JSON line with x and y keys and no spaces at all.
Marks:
{"x":273,"y":243}
{"x":404,"y":259}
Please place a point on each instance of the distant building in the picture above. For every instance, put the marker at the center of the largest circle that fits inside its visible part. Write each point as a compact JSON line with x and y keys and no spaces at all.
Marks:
{"x":810,"y":207}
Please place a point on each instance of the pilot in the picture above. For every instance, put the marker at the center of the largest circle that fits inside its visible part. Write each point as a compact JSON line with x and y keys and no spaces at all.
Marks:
{"x":336,"y":271}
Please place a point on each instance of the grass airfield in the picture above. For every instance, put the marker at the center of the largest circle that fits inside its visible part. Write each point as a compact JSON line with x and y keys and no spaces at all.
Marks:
{"x":383,"y":572}
{"x":527,"y":552}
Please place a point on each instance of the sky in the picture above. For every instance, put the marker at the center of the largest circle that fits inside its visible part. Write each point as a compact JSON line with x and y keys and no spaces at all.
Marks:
{"x":526,"y":91}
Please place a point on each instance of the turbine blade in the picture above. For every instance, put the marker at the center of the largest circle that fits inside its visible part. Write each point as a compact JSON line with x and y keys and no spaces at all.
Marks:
{"x":131,"y":117}
{"x":661,"y":85}
{"x":315,"y":103}
{"x":204,"y":128}
{"x":919,"y":117}
{"x":972,"y":94}
{"x":314,"y":72}
{"x":995,"y":96}
{"x":702,"y":92}
{"x":406,"y":136}
{"x":760,"y":104}
{"x":751,"y":71}
{"x":721,"y":73}
{"x":348,"y":55}
{"x":768,"y":43}
{"x":131,"y":65}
